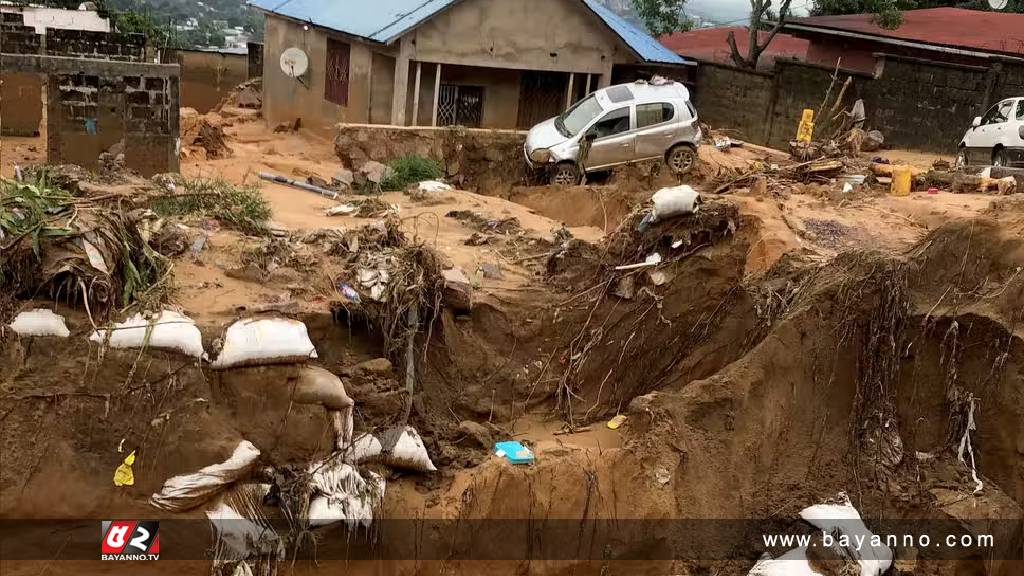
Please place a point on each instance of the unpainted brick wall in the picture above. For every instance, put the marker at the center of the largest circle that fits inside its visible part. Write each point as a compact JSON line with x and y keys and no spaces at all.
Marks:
{"x":728,"y":97}
{"x":96,"y":45}
{"x":94,"y":112}
{"x":802,"y":86}
{"x":917,"y":104}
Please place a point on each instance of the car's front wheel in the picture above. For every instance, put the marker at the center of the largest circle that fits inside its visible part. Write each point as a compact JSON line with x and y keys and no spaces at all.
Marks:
{"x":565,"y":174}
{"x":999,"y":157}
{"x":681,"y":159}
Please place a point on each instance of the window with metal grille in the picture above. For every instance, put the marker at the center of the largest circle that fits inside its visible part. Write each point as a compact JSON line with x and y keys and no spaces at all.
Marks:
{"x":460,"y":105}
{"x":338,"y":57}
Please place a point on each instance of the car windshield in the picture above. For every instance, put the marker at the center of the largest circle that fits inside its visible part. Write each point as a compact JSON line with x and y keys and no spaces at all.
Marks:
{"x":575,"y":119}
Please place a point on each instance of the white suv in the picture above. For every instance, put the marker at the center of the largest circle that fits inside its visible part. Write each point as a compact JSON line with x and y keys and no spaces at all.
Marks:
{"x":997,"y":137}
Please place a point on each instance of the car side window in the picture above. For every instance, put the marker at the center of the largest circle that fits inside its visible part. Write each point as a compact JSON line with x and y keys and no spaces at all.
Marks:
{"x":1020,"y":110}
{"x":614,"y":122}
{"x":999,"y":113}
{"x":651,"y":114}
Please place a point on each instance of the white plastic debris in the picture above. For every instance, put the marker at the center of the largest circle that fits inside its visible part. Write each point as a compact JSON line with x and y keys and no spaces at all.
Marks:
{"x":675,"y":201}
{"x":260,"y":342}
{"x":170,"y":331}
{"x":40,"y":322}
{"x":652,"y":259}
{"x":792,"y":563}
{"x":432,"y":186}
{"x":341,"y":494}
{"x":397,"y":447}
{"x":965,"y":442}
{"x":341,"y":210}
{"x":191,"y":490}
{"x":842,"y":519}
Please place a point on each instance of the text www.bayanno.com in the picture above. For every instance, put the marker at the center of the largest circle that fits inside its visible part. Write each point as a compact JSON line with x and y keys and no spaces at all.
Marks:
{"x":861,"y":541}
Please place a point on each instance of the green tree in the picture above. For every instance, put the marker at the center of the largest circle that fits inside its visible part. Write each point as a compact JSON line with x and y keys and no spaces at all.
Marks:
{"x":662,"y":17}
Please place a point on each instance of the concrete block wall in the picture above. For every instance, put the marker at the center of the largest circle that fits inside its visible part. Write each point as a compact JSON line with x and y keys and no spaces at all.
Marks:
{"x":94,"y":105}
{"x":801,"y":86}
{"x":18,"y":39}
{"x":96,"y":45}
{"x":925,"y":105}
{"x":21,"y":93}
{"x":727,"y":97}
{"x":917,"y":104}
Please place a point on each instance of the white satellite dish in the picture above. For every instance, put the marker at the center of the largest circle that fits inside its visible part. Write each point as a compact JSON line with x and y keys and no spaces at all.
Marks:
{"x":294,"y":62}
{"x":998,"y":4}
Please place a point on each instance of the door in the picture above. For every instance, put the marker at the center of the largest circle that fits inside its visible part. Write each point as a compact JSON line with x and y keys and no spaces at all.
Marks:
{"x":656,"y":129}
{"x":614,"y":141}
{"x":460,"y":106}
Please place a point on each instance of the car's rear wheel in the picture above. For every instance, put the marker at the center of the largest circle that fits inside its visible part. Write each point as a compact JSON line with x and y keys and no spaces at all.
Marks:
{"x":681,"y":159}
{"x":999,"y":157}
{"x":961,"y":157}
{"x":565,"y":174}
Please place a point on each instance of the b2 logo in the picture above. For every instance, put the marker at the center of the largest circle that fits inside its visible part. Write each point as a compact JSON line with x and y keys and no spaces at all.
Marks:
{"x":130,"y":540}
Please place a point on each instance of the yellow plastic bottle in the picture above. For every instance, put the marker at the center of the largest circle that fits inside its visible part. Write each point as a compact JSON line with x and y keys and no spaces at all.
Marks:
{"x":902,"y":177}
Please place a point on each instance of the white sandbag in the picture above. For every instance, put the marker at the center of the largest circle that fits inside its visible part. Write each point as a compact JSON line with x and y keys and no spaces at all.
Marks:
{"x":241,"y":528}
{"x":792,"y":563}
{"x":40,"y":322}
{"x":169,"y":331}
{"x":675,"y":201}
{"x":842,"y":519}
{"x":267,"y":341}
{"x":398,"y":447}
{"x":341,"y":494}
{"x":191,"y":490}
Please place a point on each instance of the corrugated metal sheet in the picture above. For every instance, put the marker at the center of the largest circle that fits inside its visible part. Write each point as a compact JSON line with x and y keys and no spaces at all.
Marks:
{"x":641,"y":42}
{"x":385,"y":20}
{"x":377,"y":20}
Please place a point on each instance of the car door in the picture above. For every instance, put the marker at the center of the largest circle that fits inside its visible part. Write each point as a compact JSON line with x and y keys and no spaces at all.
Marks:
{"x":984,"y":137}
{"x":614,"y":141}
{"x":656,"y":129}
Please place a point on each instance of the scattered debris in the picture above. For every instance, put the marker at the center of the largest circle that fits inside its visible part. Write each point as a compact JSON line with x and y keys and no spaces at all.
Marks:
{"x":514,"y":452}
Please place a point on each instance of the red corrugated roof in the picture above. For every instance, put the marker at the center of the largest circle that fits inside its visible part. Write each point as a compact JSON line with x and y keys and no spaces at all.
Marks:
{"x":954,"y":27}
{"x":709,"y":44}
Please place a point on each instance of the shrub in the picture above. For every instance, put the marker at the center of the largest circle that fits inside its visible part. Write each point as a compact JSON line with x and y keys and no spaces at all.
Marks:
{"x":409,"y":170}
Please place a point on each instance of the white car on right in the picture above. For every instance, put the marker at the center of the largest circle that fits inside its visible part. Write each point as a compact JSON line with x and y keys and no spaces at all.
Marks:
{"x":997,"y":138}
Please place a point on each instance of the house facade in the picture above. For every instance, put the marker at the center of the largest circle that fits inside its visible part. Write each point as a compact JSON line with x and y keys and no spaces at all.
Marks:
{"x":475,"y":63}
{"x":950,"y":35}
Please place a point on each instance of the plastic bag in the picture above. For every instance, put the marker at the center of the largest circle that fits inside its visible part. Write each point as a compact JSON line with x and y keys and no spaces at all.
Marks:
{"x":170,"y":330}
{"x":398,"y":447}
{"x":191,"y":490}
{"x":675,"y":201}
{"x":40,"y":322}
{"x":261,"y":342}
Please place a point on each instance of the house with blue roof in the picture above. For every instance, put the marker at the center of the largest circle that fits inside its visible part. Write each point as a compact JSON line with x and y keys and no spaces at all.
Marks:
{"x":474,"y":63}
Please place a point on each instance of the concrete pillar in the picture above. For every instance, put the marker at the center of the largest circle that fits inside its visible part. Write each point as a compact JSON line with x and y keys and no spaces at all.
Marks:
{"x":606,"y":75}
{"x":401,"y":93}
{"x":568,"y":91}
{"x":437,"y":94}
{"x":416,"y":95}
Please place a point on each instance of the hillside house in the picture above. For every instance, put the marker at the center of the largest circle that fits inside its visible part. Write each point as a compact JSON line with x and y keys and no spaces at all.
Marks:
{"x":475,"y":63}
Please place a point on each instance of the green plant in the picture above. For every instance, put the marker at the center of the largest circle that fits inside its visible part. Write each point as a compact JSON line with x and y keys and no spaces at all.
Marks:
{"x":31,"y":209}
{"x":409,"y":170}
{"x":241,"y":207}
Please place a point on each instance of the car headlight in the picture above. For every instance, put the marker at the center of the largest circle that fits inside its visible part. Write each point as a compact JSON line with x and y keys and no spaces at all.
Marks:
{"x":540,"y":155}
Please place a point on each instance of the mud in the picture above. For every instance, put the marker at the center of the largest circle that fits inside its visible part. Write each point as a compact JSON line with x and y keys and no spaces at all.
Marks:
{"x":763,"y":366}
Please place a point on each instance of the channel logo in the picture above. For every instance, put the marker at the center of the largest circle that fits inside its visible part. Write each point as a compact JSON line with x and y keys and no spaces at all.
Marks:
{"x":130,"y":540}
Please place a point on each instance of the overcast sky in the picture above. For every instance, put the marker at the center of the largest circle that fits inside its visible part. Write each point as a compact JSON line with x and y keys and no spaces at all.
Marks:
{"x":735,"y":11}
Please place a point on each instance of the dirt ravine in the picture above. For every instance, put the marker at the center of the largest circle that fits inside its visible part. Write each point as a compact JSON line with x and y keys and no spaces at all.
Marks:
{"x":789,"y":346}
